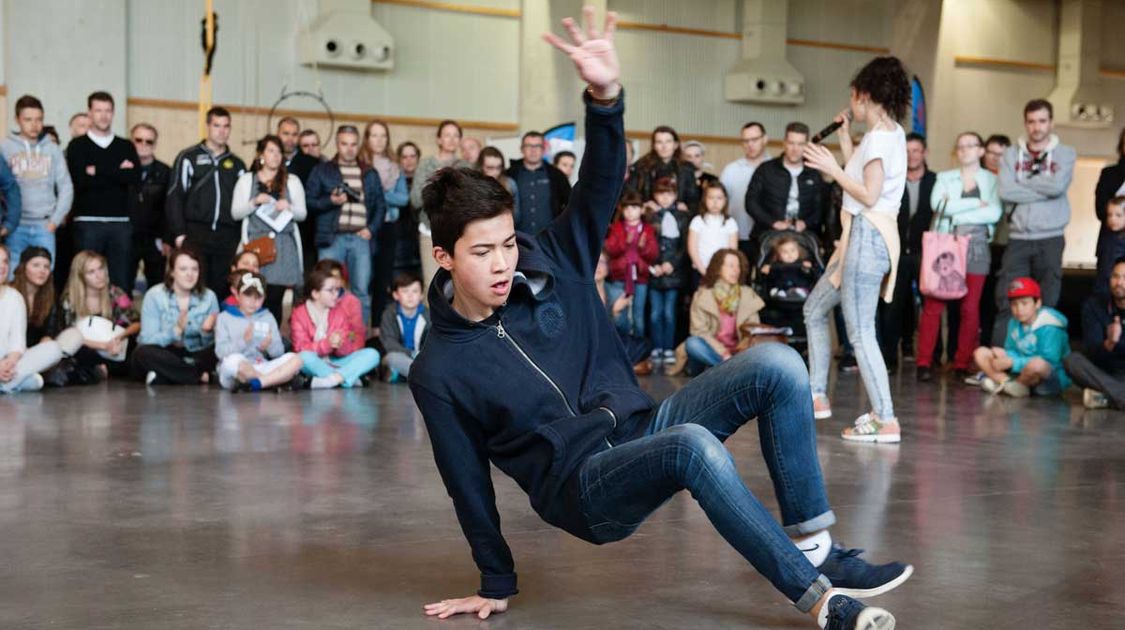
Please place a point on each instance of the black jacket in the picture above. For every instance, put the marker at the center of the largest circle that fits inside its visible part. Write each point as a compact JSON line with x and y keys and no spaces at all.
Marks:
{"x":146,"y":201}
{"x":542,"y":384}
{"x":201,"y":189}
{"x":1097,"y":313}
{"x":1109,"y":182}
{"x":643,"y":174}
{"x":910,"y":229}
{"x":560,"y":185}
{"x":672,"y":250}
{"x":302,"y":165}
{"x":768,"y":194}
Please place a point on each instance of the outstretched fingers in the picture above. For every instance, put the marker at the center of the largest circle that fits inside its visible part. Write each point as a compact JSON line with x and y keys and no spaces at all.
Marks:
{"x":575,"y":35}
{"x":588,"y":18}
{"x":610,"y":25}
{"x":559,"y":43}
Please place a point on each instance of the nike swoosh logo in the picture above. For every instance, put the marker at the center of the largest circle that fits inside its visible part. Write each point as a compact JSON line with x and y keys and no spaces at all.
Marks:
{"x":814,"y":548}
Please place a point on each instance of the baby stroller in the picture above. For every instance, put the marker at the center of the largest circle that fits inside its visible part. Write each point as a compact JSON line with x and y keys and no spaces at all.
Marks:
{"x":786,"y":308}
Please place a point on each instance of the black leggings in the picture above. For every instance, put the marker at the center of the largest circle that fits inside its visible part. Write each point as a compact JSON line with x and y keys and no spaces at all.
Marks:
{"x":173,"y":365}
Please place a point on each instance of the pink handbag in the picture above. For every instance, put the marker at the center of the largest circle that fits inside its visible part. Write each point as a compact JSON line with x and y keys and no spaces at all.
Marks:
{"x":944,"y":262}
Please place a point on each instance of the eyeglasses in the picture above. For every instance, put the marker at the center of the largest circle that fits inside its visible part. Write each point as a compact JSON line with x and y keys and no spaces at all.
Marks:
{"x":533,"y":146}
{"x":144,"y":141}
{"x":967,"y":146}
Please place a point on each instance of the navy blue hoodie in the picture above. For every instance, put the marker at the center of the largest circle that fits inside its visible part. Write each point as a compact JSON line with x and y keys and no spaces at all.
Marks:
{"x":542,"y":384}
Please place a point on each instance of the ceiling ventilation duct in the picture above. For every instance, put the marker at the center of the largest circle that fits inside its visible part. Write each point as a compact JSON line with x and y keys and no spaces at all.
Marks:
{"x":764,"y":75}
{"x":1078,"y":98}
{"x":344,"y":35}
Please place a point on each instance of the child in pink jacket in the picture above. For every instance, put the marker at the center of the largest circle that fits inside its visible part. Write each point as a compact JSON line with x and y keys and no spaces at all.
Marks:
{"x":328,"y":331}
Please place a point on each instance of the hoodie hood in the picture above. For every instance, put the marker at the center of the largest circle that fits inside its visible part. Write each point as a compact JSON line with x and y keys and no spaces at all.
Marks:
{"x":232,"y":308}
{"x":532,"y":279}
{"x":39,"y":143}
{"x":1048,"y":316}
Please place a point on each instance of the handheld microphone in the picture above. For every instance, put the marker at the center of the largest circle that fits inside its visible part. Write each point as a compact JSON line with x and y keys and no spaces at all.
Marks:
{"x":829,"y":130}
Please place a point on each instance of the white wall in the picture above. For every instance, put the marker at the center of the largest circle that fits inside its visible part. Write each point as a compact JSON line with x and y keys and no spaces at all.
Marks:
{"x":61,"y":50}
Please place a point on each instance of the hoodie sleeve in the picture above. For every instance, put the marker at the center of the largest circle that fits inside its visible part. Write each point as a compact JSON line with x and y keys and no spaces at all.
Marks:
{"x":1093,"y":332}
{"x":277,"y":346}
{"x":225,"y":343}
{"x":12,"y":197}
{"x":398,"y":196}
{"x":64,"y":188}
{"x":461,"y":459}
{"x":1052,"y":344}
{"x":1052,"y":185}
{"x":178,"y":183}
{"x":1012,"y":190}
{"x":574,"y":240}
{"x":390,"y":333}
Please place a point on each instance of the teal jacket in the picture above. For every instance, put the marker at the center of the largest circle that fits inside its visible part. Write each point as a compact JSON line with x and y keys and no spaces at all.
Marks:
{"x":968,"y":211}
{"x":1045,"y":338}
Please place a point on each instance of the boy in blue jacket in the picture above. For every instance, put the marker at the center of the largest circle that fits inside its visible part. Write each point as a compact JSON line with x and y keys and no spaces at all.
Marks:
{"x":523,"y":369}
{"x":1032,"y":357}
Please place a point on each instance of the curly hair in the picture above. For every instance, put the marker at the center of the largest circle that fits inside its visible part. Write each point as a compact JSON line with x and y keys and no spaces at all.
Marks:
{"x":715,"y":267}
{"x":885,"y":81}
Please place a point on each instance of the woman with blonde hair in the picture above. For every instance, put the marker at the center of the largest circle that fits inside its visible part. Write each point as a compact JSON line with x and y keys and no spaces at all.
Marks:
{"x":102,"y":312}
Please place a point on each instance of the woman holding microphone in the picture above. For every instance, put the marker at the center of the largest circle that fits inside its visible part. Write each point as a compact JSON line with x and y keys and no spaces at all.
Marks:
{"x":864,"y":264}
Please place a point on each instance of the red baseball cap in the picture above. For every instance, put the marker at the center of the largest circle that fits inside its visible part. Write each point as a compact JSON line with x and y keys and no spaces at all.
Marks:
{"x":1024,"y":287}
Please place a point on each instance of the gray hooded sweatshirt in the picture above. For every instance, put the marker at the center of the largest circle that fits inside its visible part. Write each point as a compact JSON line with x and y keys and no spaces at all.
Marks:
{"x":230,"y":330}
{"x":40,"y":169}
{"x":1036,"y":185}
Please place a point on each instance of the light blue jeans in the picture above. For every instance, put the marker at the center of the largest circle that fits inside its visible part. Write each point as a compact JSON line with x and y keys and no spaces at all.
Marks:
{"x":355,"y":254}
{"x":700,"y":353}
{"x":25,"y":236}
{"x":865,"y":265}
{"x":351,"y":367}
{"x":629,"y":322}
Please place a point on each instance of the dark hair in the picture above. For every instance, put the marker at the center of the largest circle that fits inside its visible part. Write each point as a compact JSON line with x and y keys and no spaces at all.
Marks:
{"x":398,"y":151}
{"x":1119,"y":200}
{"x":281,"y":177}
{"x":664,"y":184}
{"x":317,"y":276}
{"x":630,"y":198}
{"x":1005,"y":141}
{"x":797,"y":127}
{"x":28,"y":101}
{"x":445,"y":123}
{"x":492,"y":152}
{"x":785,"y":240}
{"x":352,"y":129}
{"x":405,"y":279}
{"x":455,"y":197}
{"x":51,"y":131}
{"x":530,"y":134}
{"x":44,"y":295}
{"x":715,"y":267}
{"x":217,"y":112}
{"x":234,"y":279}
{"x":99,"y":96}
{"x":704,"y":189}
{"x":651,"y":159}
{"x":308,"y":132}
{"x":368,"y":155}
{"x":754,"y":123}
{"x":144,"y":125}
{"x":242,"y":254}
{"x":331,"y":266}
{"x":1121,"y":145}
{"x":973,"y":134}
{"x":561,"y":154}
{"x":288,"y":120}
{"x":914,"y":136}
{"x":885,"y":81}
{"x":169,"y":282}
{"x":1037,"y":104}
{"x":946,"y":255}
{"x":1120,"y":261}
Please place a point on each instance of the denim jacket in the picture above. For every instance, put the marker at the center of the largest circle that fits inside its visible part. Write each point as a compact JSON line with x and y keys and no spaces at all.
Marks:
{"x":160,"y":313}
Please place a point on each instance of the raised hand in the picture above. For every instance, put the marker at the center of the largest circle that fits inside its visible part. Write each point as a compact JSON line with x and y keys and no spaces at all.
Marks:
{"x":593,"y":53}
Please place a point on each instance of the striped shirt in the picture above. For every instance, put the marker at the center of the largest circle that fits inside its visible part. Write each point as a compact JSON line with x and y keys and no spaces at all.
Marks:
{"x":353,"y":214}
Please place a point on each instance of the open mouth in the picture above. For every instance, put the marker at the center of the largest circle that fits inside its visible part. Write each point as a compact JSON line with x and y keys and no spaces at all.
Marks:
{"x":501,"y":287}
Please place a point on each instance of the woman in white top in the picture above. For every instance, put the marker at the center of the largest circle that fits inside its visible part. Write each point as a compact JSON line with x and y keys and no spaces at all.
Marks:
{"x":873,"y":181}
{"x":270,"y":202}
{"x":713,"y":229}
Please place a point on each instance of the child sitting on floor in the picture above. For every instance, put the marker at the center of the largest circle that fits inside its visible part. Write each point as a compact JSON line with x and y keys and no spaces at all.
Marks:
{"x":248,"y":343}
{"x":403,"y":327}
{"x":328,"y":331}
{"x":788,"y":272}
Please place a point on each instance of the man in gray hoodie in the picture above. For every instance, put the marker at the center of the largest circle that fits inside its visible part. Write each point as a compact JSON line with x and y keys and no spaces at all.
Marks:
{"x":1034,"y":177}
{"x":44,"y":182}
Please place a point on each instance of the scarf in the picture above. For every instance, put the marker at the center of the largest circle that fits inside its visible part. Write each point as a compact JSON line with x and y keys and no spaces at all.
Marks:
{"x":726,"y":295}
{"x":668,"y":226}
{"x":388,"y":171}
{"x":632,"y":254}
{"x":319,"y":319}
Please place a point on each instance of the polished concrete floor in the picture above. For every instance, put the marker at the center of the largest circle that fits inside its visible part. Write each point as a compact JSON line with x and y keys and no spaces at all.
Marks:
{"x":193,"y":508}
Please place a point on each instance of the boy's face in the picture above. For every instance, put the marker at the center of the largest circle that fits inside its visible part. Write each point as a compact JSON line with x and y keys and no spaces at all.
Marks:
{"x":1115,"y":218}
{"x":788,"y":253}
{"x":631,"y":214}
{"x":409,"y":297}
{"x":482,"y":263}
{"x":250,"y":302}
{"x":1024,"y":309}
{"x":665,"y":199}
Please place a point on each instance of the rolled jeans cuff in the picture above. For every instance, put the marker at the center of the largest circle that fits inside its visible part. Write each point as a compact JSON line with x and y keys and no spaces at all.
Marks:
{"x":815,"y":591}
{"x":811,"y":526}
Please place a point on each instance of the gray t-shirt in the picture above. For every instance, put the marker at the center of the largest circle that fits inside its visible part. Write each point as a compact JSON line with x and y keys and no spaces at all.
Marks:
{"x":913,"y":190}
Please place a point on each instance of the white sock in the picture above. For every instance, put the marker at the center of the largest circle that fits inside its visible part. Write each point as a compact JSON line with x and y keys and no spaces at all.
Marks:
{"x":816,"y":547}
{"x":822,"y":616}
{"x":324,"y":382}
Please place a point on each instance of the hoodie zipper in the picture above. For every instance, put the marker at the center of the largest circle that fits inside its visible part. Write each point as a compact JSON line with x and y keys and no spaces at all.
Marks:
{"x":503,"y":335}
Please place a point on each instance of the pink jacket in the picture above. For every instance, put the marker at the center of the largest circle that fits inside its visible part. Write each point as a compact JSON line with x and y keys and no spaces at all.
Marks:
{"x":346,"y":319}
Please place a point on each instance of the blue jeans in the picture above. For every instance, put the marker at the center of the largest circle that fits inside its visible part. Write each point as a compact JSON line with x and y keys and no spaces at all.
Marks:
{"x":112,"y":239}
{"x":351,"y":367}
{"x":865,"y":264}
{"x":630,"y":321}
{"x":700,"y":353}
{"x":663,"y":317}
{"x":25,"y":236}
{"x":355,"y":254}
{"x":683,"y":449}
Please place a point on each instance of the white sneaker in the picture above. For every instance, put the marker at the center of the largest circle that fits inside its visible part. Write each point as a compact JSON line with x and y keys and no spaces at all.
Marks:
{"x":669,"y":357}
{"x":656,"y":357}
{"x":1093,"y":399}
{"x":150,"y":378}
{"x":822,"y":409}
{"x":1016,"y":389}
{"x":868,"y":428}
{"x":991,"y":386}
{"x":32,"y":383}
{"x":975,"y":380}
